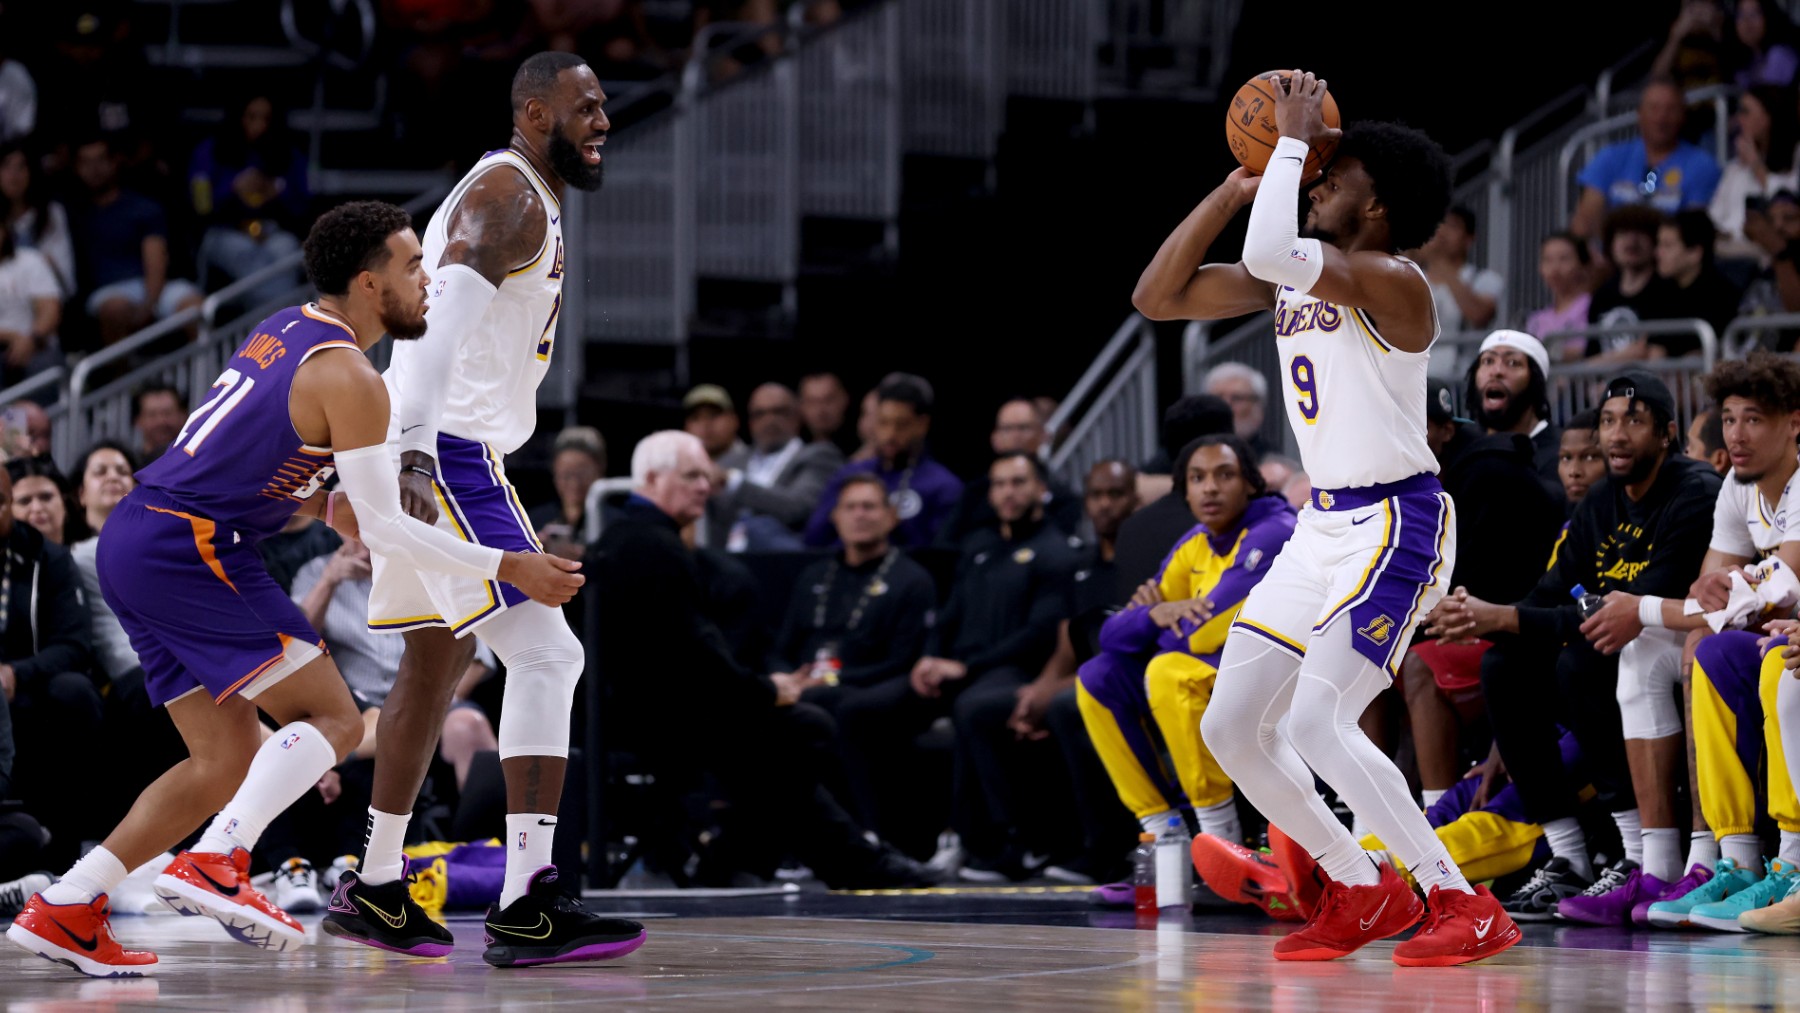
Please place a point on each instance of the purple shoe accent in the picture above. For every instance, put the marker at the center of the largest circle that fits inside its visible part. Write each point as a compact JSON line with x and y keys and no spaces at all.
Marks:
{"x":595,"y":951}
{"x":340,"y":898}
{"x":1615,"y":906}
{"x":1696,"y":877}
{"x":1114,"y":895}
{"x":421,"y":950}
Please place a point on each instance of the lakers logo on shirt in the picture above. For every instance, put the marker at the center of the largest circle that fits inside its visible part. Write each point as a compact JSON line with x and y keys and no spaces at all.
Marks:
{"x":1326,"y":502}
{"x":1378,"y":631}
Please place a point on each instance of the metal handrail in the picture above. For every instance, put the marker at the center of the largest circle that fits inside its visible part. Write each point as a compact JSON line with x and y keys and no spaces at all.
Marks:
{"x":18,"y":391}
{"x":1603,"y":84}
{"x":1141,"y":359}
{"x":1709,"y":339}
{"x":1738,"y":325}
{"x":1116,"y":348}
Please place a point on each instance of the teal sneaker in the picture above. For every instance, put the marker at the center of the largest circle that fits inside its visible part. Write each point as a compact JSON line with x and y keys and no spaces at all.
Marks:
{"x":1722,"y":915}
{"x":1728,"y":878}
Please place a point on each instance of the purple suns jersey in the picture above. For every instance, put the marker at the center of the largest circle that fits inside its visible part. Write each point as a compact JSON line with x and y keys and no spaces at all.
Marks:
{"x":238,"y":461}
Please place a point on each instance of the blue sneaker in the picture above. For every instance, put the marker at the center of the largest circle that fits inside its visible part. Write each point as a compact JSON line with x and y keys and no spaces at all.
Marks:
{"x":1728,"y":878}
{"x":1722,"y":915}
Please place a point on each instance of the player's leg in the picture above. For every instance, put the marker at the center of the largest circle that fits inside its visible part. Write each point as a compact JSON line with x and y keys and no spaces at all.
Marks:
{"x":1702,"y":846}
{"x":1179,"y":687}
{"x":1116,"y":712}
{"x":1783,"y":916}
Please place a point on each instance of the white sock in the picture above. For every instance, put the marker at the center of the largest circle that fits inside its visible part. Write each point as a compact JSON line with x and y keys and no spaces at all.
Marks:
{"x":1156,"y":823}
{"x":1744,"y":849}
{"x":289,"y":763}
{"x":383,"y":860}
{"x":1221,"y":821}
{"x":1631,"y":835}
{"x":1346,"y":862}
{"x":1568,"y":843}
{"x":1434,"y":868}
{"x":99,"y":871}
{"x":1790,"y":847}
{"x":528,"y":840}
{"x":1703,"y":850}
{"x":1662,"y":853}
{"x":1431,"y":795}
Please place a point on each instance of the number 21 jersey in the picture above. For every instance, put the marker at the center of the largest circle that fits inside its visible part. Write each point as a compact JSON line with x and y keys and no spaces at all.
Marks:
{"x":1356,"y":402}
{"x":238,"y":461}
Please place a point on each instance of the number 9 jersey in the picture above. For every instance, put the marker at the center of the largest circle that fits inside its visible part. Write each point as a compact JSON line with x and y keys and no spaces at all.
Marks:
{"x":1356,"y":402}
{"x":238,"y":461}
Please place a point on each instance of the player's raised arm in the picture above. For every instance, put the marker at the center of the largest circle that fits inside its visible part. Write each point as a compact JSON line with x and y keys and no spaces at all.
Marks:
{"x":498,"y":225}
{"x":1361,"y":270}
{"x":1176,"y":286}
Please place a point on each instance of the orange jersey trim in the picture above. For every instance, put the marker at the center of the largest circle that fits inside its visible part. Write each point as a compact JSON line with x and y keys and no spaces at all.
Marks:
{"x":203,"y":536}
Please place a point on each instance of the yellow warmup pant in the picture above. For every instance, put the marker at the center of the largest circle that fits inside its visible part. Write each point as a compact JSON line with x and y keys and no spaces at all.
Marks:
{"x":1737,"y":735}
{"x":1119,"y":701}
{"x":1485,"y":845}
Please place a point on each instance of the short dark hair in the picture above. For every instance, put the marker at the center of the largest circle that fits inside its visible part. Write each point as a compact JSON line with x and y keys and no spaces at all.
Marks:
{"x":1194,"y":416}
{"x":537,"y":75}
{"x":1411,"y":173}
{"x":1712,"y":431}
{"x":42,"y":466}
{"x":908,"y":390}
{"x":1639,"y":218}
{"x":1767,"y":380}
{"x":1587,"y":418}
{"x":1247,"y":459}
{"x":81,"y":463}
{"x":864,"y":478}
{"x":348,"y":240}
{"x":1037,"y":464}
{"x":154,"y":387}
{"x":1696,"y":229}
{"x":1582,"y":253}
{"x":1462,"y":213}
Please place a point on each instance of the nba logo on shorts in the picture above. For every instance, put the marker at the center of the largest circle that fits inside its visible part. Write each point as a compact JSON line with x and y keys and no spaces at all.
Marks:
{"x":288,"y":743}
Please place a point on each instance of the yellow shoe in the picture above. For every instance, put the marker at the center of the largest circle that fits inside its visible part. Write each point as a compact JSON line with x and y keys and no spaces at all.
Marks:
{"x":1781,"y":918}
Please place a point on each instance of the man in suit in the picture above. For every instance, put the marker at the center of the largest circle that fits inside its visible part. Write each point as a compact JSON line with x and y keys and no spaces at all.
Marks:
{"x":764,"y":492}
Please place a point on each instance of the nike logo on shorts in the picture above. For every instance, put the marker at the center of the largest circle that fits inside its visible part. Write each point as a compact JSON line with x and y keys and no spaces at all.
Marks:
{"x":408,"y":429}
{"x":1369,"y":922}
{"x":1359,"y":520}
{"x":1482,"y":926}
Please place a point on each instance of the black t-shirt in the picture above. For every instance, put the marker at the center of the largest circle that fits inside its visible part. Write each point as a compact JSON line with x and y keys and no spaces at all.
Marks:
{"x":1712,"y":298}
{"x":1610,"y":306}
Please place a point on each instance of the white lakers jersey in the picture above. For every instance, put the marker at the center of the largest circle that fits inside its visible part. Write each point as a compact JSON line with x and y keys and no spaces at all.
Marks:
{"x":492,"y":396}
{"x":1748,"y":526}
{"x":1356,"y":402}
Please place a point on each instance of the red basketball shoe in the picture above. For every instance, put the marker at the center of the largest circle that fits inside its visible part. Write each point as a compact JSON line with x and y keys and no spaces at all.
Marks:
{"x":218,"y":886}
{"x":1242,"y":876}
{"x":1351,"y":917}
{"x":1305,"y":884}
{"x":1462,"y":927}
{"x":80,"y":936}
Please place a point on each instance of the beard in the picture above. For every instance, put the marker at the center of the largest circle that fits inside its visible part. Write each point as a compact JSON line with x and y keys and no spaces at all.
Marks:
{"x":1506,"y":417}
{"x":567,"y":162}
{"x":398,"y":321}
{"x":1641,"y":467}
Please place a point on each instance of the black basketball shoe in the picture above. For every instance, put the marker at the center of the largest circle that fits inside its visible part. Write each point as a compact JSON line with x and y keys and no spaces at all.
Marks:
{"x":547,"y":926}
{"x":385,"y":917}
{"x":1536,"y":901}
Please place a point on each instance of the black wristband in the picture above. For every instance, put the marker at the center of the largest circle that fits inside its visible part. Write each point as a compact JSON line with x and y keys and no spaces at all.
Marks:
{"x":428,"y":473}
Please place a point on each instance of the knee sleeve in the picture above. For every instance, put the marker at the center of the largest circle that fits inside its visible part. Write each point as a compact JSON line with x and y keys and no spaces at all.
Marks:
{"x":1649,"y":672}
{"x":543,"y":662}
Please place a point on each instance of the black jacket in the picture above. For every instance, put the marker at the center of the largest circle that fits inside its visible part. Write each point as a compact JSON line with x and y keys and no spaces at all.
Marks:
{"x":888,"y":637}
{"x":975,"y":511}
{"x":1653,"y":546}
{"x":1506,"y":521}
{"x":47,"y":630}
{"x":656,"y":646}
{"x":1009,"y":596}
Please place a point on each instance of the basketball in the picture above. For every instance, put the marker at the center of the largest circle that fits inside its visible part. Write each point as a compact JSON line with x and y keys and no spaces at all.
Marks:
{"x":1250,"y":125}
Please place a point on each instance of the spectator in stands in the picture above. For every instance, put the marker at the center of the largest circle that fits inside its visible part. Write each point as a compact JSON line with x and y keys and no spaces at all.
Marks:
{"x":1696,"y":287}
{"x":248,"y":186}
{"x":30,"y":312}
{"x":30,"y":418}
{"x":124,"y":250}
{"x":1507,"y":391}
{"x":1706,"y":441}
{"x":1246,"y":390}
{"x":577,"y":461}
{"x":1768,"y":129}
{"x":1694,"y":53}
{"x":856,"y":620}
{"x":710,"y":415}
{"x":37,"y":222}
{"x":1017,"y":429}
{"x":45,"y":655}
{"x":1776,"y":289}
{"x":1657,"y":168}
{"x":1146,"y":535}
{"x":924,"y":492}
{"x":18,"y":91}
{"x":107,"y":474}
{"x":1277,"y":471}
{"x":1563,"y":262}
{"x":764,"y":494}
{"x":157,"y":413}
{"x":41,"y":498}
{"x":865,"y":426}
{"x":1467,"y":297}
{"x":1634,"y":289}
{"x":1644,"y":531}
{"x":1761,"y":50}
{"x":1506,"y":523}
{"x":686,"y":707}
{"x":823,"y":405}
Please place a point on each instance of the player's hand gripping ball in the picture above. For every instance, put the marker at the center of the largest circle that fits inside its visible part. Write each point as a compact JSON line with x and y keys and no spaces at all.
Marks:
{"x":1250,"y":128}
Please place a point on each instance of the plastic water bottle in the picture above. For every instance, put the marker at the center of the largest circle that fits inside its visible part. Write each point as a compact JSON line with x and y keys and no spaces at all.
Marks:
{"x":1585,"y":602}
{"x":1143,"y":875}
{"x":1174,"y":866}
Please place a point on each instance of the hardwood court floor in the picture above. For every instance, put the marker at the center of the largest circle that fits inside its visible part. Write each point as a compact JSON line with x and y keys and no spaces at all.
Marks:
{"x":934,"y":953}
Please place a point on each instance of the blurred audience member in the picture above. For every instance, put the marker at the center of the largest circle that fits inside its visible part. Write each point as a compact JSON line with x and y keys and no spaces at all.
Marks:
{"x":1018,"y":429}
{"x":124,"y":250}
{"x":1767,"y":124}
{"x":37,"y":222}
{"x":18,"y":90}
{"x":107,"y":474}
{"x":1277,"y":471}
{"x":1656,"y":168}
{"x":923,"y":491}
{"x":40,"y":498}
{"x":1693,"y":55}
{"x":30,"y":418}
{"x":762,"y":496}
{"x":248,"y":185}
{"x":1761,"y":47}
{"x":1776,"y":288}
{"x":577,"y":461}
{"x":1467,"y":297}
{"x":824,"y":404}
{"x":865,"y":426}
{"x":1696,"y":287}
{"x":30,"y":311}
{"x":708,"y":413}
{"x":1634,"y":289}
{"x":1563,"y":262}
{"x":158,"y":412}
{"x":1705,"y":441}
{"x":1246,"y":390}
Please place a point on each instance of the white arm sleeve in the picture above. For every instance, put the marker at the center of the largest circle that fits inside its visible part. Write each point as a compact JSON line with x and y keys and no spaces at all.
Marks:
{"x":366,"y":475}
{"x":459,"y":300}
{"x":1273,"y":249}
